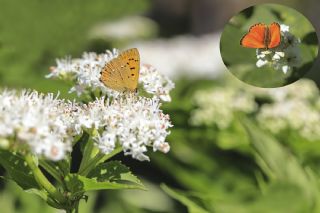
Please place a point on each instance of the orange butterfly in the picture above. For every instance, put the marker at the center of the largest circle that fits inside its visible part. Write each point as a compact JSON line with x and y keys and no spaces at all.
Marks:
{"x":262,"y":36}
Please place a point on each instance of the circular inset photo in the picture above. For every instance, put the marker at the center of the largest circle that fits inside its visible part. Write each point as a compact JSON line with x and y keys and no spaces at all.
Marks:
{"x":269,"y":45}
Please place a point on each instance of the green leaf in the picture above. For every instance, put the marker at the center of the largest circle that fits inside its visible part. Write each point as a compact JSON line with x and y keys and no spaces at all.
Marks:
{"x":184,"y":199}
{"x":114,"y":171}
{"x":278,"y":163}
{"x":112,"y":175}
{"x":18,"y":170}
{"x":281,"y":197}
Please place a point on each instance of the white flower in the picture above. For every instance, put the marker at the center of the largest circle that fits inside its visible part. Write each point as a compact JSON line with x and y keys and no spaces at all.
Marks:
{"x":131,"y":121}
{"x":284,"y":28}
{"x":41,"y":123}
{"x":85,"y":72}
{"x":45,"y":125}
{"x":218,"y":105}
{"x":284,"y":57}
{"x":155,"y":83}
{"x":285,"y":69}
{"x":261,"y":63}
{"x":291,"y":108}
{"x":291,"y":114}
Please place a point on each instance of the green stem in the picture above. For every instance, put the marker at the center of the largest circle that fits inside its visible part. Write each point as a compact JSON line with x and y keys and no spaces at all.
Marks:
{"x":100,"y":157}
{"x":50,"y":168}
{"x":90,"y":151}
{"x":42,"y":180}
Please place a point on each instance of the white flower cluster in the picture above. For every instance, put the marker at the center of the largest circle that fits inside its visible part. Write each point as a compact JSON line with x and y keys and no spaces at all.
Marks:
{"x":285,"y":109}
{"x":292,"y":110}
{"x":284,"y":57}
{"x":43,"y":124}
{"x":217,"y":106}
{"x":154,"y":83}
{"x":85,"y":72}
{"x":131,"y":121}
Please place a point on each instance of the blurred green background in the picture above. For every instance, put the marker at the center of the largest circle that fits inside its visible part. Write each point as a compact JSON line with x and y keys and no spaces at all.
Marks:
{"x":258,"y":172}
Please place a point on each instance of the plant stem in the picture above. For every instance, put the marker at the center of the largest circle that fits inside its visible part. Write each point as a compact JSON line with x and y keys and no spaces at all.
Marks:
{"x":42,"y":180}
{"x":89,"y":152}
{"x":100,"y":157}
{"x":50,"y":168}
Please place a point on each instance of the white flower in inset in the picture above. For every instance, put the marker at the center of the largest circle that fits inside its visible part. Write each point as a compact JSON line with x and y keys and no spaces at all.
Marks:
{"x":261,"y":63}
{"x":284,"y":57}
{"x":284,"y":28}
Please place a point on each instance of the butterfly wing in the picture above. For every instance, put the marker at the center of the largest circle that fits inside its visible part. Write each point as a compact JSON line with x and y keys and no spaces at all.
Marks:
{"x":111,"y":74}
{"x":255,"y":38}
{"x":274,"y":35}
{"x":130,"y":74}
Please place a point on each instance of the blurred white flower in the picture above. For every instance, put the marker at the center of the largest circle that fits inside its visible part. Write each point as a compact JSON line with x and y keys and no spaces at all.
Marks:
{"x":131,"y":121}
{"x":85,"y":72}
{"x":308,"y":91}
{"x":284,"y":57}
{"x":291,"y":108}
{"x":187,"y":55}
{"x":123,"y":30}
{"x":217,"y":106}
{"x":41,"y":123}
{"x":296,"y":115}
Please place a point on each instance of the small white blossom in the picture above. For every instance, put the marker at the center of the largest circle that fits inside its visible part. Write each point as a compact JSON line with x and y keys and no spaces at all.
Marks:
{"x":284,"y":57}
{"x":45,"y":125}
{"x":84,"y":71}
{"x":41,"y":123}
{"x":261,"y":63}
{"x":155,"y":83}
{"x":284,"y":28}
{"x":131,"y":121}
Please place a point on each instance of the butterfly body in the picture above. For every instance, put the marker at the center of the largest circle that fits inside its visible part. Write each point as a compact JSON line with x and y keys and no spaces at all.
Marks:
{"x":122,"y":72}
{"x":261,"y":36}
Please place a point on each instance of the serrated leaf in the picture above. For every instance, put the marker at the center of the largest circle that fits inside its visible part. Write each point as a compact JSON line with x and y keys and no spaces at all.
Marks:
{"x":184,"y":199}
{"x":78,"y":185}
{"x":114,"y":171}
{"x":17,"y":169}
